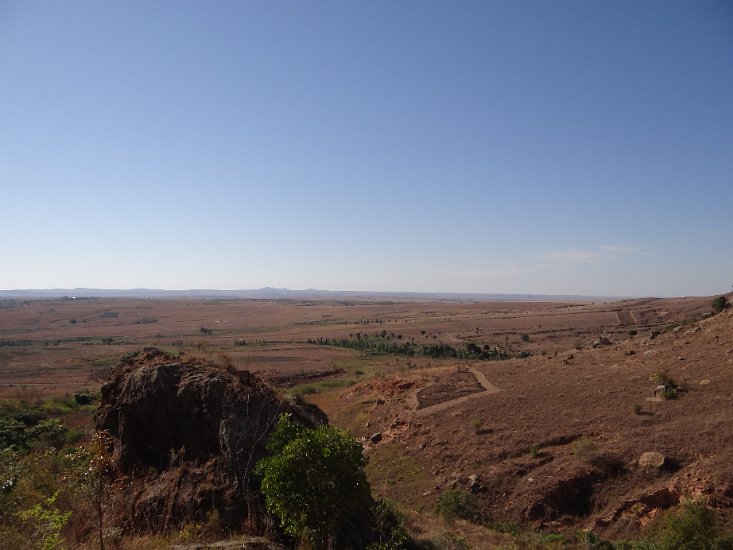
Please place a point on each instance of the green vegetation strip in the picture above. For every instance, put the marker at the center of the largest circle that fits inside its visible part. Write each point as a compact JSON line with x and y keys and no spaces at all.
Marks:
{"x":382,"y":344}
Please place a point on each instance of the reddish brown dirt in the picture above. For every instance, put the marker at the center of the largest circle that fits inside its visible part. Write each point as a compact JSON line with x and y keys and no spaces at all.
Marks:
{"x":448,"y":388}
{"x":554,"y":442}
{"x":559,"y":442}
{"x":58,"y":346}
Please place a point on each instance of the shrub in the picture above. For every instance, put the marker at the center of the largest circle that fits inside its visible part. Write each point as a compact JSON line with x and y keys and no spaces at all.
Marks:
{"x":590,"y":540}
{"x":691,"y":527}
{"x":51,"y":432}
{"x":313,"y":480}
{"x":82,"y":398}
{"x":508,"y":527}
{"x":583,"y":447}
{"x":47,"y":521}
{"x":719,"y":304}
{"x":12,"y":433}
{"x":662,"y":378}
{"x":445,"y":540}
{"x":458,"y":503}
{"x":389,"y":527}
{"x":534,"y":450}
{"x":668,"y":393}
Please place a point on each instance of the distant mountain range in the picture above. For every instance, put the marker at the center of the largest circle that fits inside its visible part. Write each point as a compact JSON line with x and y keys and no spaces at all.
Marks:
{"x":269,"y":293}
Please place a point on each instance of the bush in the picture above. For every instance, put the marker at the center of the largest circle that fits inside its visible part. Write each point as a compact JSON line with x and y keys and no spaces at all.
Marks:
{"x":668,"y":393}
{"x":662,"y":378}
{"x":389,"y":527}
{"x":534,"y":450}
{"x":590,"y":540}
{"x":583,"y":447}
{"x":314,"y":479}
{"x":691,"y":527}
{"x":83,"y":398}
{"x":47,"y":521}
{"x":719,"y":304}
{"x":445,"y":540}
{"x":458,"y":503}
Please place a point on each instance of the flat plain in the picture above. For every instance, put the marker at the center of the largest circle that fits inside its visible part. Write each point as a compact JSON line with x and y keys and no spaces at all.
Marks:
{"x":60,"y":345}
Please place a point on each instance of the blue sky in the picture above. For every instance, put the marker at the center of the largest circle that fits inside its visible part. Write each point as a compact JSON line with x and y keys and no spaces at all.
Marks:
{"x":522,"y":147}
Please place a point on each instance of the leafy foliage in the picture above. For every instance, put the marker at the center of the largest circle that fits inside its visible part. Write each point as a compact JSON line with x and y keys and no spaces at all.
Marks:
{"x":47,"y":522}
{"x":23,"y":425}
{"x":313,"y":480}
{"x":691,"y":527}
{"x":389,"y":527}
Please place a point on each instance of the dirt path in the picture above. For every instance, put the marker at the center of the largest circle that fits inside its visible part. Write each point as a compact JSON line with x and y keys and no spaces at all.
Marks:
{"x":488,"y":389}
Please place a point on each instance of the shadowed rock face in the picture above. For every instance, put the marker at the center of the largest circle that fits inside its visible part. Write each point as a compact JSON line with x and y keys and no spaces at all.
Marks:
{"x":186,"y":437}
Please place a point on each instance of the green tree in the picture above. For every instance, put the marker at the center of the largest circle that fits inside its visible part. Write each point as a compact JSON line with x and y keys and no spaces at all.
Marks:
{"x":314,"y":480}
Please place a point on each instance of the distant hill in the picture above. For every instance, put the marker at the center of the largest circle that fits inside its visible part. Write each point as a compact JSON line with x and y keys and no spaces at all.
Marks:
{"x":269,"y":293}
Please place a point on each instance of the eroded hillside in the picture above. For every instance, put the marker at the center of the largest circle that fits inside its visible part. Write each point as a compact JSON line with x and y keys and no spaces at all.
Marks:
{"x":560,"y":442}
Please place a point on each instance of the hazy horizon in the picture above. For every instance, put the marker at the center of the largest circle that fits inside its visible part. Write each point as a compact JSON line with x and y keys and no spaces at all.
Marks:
{"x":295,"y":293}
{"x":527,"y":147}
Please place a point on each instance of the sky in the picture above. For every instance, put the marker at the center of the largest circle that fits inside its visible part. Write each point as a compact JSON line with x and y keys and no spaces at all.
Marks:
{"x":532,"y":147}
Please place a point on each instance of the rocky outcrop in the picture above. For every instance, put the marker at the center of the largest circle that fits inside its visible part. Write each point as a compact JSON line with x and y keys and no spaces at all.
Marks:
{"x":186,"y":437}
{"x":653,"y":460}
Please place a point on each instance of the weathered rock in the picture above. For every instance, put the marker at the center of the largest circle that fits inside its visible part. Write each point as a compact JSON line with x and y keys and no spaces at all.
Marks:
{"x":601,"y":341}
{"x":654,"y":334}
{"x":188,"y":436}
{"x":644,"y":505}
{"x":652,"y":459}
{"x":376,"y":437}
{"x":474,"y":483}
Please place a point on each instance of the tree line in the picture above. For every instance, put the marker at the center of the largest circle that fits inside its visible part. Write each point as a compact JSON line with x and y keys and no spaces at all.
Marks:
{"x":382,"y":346}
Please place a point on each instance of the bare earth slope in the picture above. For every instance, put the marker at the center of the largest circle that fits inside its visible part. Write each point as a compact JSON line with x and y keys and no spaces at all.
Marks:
{"x":559,"y":445}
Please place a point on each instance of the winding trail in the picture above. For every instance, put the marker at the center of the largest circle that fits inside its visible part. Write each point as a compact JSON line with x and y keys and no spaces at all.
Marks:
{"x":488,"y":389}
